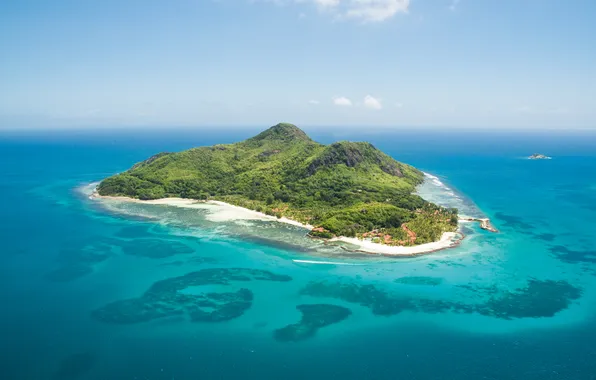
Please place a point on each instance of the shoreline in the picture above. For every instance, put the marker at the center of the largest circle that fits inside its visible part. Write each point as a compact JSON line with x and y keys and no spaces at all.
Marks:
{"x":448,"y":240}
{"x":485,"y":223}
{"x":230,"y":212}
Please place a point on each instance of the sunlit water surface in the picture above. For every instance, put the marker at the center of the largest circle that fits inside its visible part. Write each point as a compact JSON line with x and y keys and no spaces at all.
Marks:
{"x":131,"y":291}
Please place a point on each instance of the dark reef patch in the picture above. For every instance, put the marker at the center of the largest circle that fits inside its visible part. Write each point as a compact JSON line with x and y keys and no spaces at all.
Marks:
{"x":153,"y":230}
{"x":451,"y":263}
{"x":76,"y":262}
{"x":176,"y":263}
{"x":218,"y":307}
{"x":546,"y":236}
{"x":380,"y":302}
{"x":79,"y":258}
{"x":579,"y":195}
{"x":513,"y":222}
{"x":275,"y":243}
{"x":154,"y":248}
{"x":165,"y":299}
{"x":573,"y":256}
{"x":132,"y":232}
{"x":419,"y":280}
{"x":74,"y":366}
{"x":194,"y":260}
{"x":314,"y":317}
{"x":538,"y":299}
{"x":86,"y":255}
{"x":481,"y":290}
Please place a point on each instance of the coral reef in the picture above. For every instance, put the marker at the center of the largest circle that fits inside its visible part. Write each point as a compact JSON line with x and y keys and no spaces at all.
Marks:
{"x":314,"y":317}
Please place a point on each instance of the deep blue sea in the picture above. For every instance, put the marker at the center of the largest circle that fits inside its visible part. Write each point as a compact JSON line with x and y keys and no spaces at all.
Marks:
{"x":153,"y":292}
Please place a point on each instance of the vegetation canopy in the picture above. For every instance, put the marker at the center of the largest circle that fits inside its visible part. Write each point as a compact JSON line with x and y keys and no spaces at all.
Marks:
{"x":346,"y":188}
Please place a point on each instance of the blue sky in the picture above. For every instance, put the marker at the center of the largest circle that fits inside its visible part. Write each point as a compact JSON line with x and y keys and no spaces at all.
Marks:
{"x":394,"y":63}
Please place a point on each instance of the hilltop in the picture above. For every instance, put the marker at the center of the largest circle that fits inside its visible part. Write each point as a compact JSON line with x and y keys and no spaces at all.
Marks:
{"x":346,"y":188}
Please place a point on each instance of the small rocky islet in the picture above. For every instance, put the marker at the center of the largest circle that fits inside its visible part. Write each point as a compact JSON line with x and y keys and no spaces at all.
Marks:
{"x":539,"y":156}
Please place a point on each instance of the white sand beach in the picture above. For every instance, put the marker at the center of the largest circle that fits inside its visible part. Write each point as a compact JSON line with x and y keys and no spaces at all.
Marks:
{"x":448,"y":240}
{"x":218,"y":211}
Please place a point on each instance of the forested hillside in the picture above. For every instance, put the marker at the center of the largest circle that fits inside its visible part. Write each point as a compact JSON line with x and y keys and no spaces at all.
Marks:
{"x":346,"y":188}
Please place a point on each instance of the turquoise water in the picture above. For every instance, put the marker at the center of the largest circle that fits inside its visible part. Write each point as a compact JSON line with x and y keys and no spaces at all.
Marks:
{"x":96,"y":293}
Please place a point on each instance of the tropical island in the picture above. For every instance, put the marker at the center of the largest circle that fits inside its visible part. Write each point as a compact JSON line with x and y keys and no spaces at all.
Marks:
{"x":538,"y":156}
{"x":345,"y":190}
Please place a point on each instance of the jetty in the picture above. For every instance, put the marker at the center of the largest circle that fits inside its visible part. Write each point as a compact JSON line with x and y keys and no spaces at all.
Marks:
{"x":485,"y":223}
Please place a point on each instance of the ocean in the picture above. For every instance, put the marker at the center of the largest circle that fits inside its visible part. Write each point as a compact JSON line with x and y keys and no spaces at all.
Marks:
{"x":153,"y":292}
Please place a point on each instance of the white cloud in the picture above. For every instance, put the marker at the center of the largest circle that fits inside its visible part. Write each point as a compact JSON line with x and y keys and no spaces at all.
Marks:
{"x":372,"y":103}
{"x":399,"y":105}
{"x":314,"y":102}
{"x":361,"y":10}
{"x":342,"y":101}
{"x":375,"y":10}
{"x":324,"y":3}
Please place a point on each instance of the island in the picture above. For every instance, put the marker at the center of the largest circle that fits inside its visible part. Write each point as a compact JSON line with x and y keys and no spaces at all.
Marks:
{"x":538,"y":156}
{"x":349,"y":191}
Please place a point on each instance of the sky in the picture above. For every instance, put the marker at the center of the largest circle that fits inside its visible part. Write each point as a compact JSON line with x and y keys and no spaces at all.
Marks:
{"x":344,"y":63}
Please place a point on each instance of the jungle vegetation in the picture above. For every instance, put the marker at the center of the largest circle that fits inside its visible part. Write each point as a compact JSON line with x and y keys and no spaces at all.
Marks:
{"x":346,"y":188}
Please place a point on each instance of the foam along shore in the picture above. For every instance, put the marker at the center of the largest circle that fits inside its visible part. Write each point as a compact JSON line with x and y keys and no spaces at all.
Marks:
{"x":218,"y":211}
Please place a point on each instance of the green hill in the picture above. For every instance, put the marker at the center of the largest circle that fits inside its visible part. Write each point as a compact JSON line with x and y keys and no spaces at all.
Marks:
{"x":346,"y":188}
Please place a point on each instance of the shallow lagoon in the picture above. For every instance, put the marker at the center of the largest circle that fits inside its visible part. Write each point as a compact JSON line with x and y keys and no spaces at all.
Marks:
{"x":518,"y":304}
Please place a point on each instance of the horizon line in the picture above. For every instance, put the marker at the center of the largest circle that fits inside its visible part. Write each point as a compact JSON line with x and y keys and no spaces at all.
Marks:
{"x":69,"y":128}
